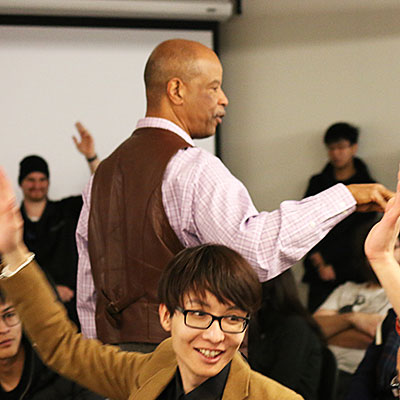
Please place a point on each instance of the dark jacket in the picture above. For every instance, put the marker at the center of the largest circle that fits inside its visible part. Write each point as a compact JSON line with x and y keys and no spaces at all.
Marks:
{"x":38,"y":382}
{"x":372,"y":379}
{"x":286,"y":349}
{"x":130,"y":238}
{"x":52,"y":239}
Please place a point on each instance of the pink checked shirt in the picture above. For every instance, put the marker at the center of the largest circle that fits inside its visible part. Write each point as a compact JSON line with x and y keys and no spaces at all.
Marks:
{"x":205,"y":203}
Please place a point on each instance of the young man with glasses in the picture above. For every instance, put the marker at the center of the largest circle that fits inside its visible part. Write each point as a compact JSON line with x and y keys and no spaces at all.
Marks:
{"x":22,"y":374}
{"x":207,"y":294}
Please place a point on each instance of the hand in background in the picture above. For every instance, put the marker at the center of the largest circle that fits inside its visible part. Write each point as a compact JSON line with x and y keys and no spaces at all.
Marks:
{"x":366,"y":323}
{"x":66,"y":294}
{"x":86,"y":145}
{"x":327,"y":273}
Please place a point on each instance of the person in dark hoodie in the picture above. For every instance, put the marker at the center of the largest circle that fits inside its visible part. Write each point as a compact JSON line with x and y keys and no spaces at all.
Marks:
{"x":23,"y":376}
{"x":330,"y":263}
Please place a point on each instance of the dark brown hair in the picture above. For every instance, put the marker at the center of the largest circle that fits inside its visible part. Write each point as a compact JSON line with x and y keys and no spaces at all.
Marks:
{"x":213,"y":268}
{"x":280,"y":295}
{"x":3,"y":297}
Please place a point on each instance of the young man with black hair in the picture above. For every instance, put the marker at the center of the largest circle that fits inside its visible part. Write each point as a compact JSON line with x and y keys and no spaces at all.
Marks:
{"x":330,"y":262}
{"x":207,"y":296}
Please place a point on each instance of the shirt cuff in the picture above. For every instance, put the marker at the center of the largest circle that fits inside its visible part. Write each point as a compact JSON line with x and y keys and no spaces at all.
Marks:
{"x":6,"y":273}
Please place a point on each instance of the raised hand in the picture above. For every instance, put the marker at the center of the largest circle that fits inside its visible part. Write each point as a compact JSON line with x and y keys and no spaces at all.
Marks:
{"x":380,"y":246}
{"x":381,"y":240}
{"x":11,"y":223}
{"x":86,"y":145}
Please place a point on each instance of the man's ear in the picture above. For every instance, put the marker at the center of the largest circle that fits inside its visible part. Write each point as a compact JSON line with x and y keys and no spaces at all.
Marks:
{"x":175,"y":91}
{"x":354,"y":148}
{"x":165,"y":317}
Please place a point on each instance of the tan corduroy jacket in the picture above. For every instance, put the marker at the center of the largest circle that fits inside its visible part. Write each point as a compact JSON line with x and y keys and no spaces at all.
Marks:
{"x":103,"y":368}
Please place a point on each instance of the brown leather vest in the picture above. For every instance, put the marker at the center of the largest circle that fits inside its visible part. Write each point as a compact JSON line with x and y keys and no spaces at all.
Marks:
{"x":130,"y":239}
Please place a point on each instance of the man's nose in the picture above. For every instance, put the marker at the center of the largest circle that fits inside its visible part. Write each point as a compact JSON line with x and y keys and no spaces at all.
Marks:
{"x":214,"y":333}
{"x":223,"y":100}
{"x":3,"y":327}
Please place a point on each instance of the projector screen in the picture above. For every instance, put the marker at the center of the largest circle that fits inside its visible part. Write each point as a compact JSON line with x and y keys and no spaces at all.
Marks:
{"x":53,"y":76}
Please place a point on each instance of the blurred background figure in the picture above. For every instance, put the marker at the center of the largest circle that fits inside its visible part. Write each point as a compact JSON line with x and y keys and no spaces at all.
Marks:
{"x":329,"y":263}
{"x":285,"y":343}
{"x":351,"y":315}
{"x":49,"y":226}
{"x":22,"y":373}
{"x":376,"y":377}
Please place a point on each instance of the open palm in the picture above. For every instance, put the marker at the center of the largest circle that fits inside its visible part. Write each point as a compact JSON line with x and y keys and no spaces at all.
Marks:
{"x":382,"y":238}
{"x":11,"y":222}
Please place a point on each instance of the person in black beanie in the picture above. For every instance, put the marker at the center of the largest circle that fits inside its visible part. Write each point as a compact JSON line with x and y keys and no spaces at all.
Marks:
{"x":30,"y":164}
{"x":49,"y":226}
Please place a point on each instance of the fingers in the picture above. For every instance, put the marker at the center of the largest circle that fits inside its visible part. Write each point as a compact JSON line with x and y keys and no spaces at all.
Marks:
{"x":83,"y":132}
{"x":379,"y":203}
{"x":75,"y":141}
{"x":80,"y":128}
{"x":6,"y":190}
{"x":386,"y":193}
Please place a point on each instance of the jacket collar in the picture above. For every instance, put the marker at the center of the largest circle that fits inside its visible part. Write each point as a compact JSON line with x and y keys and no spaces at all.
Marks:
{"x":152,"y":384}
{"x":238,"y":383}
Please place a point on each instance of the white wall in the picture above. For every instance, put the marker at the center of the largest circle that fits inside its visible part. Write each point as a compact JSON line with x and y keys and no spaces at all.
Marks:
{"x":288,"y":77}
{"x":54,"y":76}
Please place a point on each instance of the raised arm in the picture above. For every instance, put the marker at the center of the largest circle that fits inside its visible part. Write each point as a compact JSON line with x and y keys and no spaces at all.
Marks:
{"x":380,"y":247}
{"x":102,"y":369}
{"x":86,"y":146}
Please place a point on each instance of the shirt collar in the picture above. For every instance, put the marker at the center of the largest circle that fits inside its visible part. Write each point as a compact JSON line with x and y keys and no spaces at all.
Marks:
{"x":162,"y":123}
{"x":211,"y":389}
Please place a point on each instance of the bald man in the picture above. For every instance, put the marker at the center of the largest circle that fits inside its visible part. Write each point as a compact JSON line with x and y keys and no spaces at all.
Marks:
{"x":158,"y":193}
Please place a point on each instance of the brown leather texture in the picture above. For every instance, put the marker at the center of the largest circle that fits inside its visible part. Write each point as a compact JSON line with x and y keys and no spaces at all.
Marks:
{"x":130,"y":239}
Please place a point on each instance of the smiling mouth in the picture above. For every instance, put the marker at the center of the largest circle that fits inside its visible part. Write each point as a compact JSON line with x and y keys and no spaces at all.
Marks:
{"x":209,"y":353}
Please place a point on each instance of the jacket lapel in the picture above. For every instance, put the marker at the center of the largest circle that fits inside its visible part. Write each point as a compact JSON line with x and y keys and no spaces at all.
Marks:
{"x":237,"y":385}
{"x":154,"y":386}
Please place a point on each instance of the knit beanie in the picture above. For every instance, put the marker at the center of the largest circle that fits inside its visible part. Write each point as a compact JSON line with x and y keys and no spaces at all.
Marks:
{"x":32,"y":164}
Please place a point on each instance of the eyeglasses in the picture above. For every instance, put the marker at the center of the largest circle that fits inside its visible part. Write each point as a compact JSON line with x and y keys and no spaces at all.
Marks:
{"x":394,"y":385}
{"x":10,"y":319}
{"x":341,"y":146}
{"x":203,"y":320}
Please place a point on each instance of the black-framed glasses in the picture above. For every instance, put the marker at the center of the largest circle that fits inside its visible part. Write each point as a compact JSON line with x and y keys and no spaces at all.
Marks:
{"x":10,"y":319}
{"x":203,"y":320}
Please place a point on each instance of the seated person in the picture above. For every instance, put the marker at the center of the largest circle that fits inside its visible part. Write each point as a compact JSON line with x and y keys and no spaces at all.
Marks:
{"x":329,"y":263}
{"x":49,"y":226}
{"x":285,"y":343}
{"x":22,"y":374}
{"x":378,"y":369}
{"x":349,"y":319}
{"x":207,"y":295}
